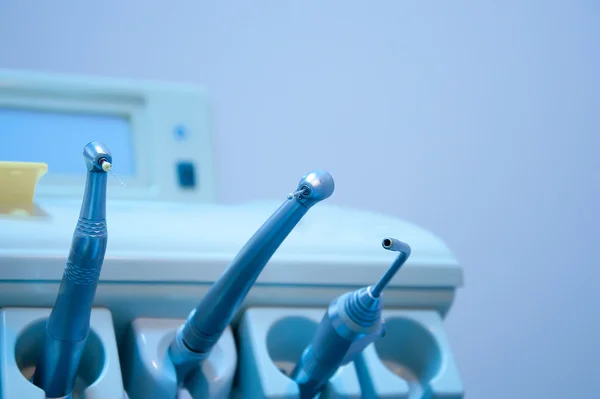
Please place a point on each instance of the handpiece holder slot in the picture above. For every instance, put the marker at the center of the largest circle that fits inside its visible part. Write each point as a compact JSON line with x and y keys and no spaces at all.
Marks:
{"x":22,"y":333}
{"x":412,"y":360}
{"x":271,"y":341}
{"x":149,"y":373}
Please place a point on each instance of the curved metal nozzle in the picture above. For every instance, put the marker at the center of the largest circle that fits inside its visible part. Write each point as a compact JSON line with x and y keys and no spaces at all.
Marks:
{"x":97,"y":157}
{"x":391,"y":244}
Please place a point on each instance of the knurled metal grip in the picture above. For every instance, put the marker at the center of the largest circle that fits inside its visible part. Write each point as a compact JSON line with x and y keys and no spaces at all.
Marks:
{"x":87,"y":252}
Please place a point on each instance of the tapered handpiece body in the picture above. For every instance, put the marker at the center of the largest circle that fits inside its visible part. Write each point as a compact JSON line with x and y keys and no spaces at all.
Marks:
{"x":206,"y":323}
{"x":69,"y":322}
{"x":351,"y":323}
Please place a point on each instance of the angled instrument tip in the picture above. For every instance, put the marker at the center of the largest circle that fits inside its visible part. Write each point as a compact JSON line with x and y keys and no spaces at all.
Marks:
{"x":391,"y":244}
{"x":314,"y":187}
{"x":97,"y":157}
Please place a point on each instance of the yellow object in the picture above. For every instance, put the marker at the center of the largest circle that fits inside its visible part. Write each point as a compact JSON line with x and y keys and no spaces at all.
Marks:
{"x":18,"y":181}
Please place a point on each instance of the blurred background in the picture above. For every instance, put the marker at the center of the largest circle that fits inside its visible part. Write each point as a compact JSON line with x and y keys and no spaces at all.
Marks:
{"x":479,"y":121}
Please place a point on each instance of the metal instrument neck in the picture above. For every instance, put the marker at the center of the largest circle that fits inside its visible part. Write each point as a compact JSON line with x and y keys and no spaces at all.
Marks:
{"x":219,"y":305}
{"x":93,"y":206}
{"x":389,"y":274}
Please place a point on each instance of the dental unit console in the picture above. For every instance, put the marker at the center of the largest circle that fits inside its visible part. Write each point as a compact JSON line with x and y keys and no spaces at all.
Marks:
{"x":186,"y":297}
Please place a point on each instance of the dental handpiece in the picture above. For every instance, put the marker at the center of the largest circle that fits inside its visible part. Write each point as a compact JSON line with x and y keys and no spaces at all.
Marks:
{"x":69,"y":322}
{"x":205,"y":324}
{"x":351,"y":323}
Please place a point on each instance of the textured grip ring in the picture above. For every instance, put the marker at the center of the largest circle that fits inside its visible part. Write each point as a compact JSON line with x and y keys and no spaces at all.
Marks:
{"x":82,"y":275}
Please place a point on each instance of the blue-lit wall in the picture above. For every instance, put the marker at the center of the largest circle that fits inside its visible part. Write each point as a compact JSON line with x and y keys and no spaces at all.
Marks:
{"x":479,"y":121}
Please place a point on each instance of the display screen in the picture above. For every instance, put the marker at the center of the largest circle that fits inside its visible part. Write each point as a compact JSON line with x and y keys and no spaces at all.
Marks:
{"x":58,"y":138}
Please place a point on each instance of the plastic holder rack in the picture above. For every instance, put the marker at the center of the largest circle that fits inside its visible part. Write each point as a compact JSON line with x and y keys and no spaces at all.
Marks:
{"x":149,"y":373}
{"x":22,"y":336}
{"x":271,"y":341}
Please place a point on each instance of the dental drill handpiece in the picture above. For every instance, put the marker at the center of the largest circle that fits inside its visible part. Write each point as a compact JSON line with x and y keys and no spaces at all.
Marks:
{"x":351,"y":323}
{"x":205,"y":324}
{"x":69,"y":322}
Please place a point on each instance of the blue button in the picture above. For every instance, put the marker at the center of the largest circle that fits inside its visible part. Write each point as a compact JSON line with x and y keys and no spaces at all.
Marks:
{"x":180,"y":132}
{"x":186,"y":174}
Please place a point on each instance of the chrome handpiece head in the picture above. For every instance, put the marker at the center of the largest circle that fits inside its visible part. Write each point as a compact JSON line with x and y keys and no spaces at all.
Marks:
{"x":314,"y":187}
{"x":351,"y":323}
{"x":97,"y":157}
